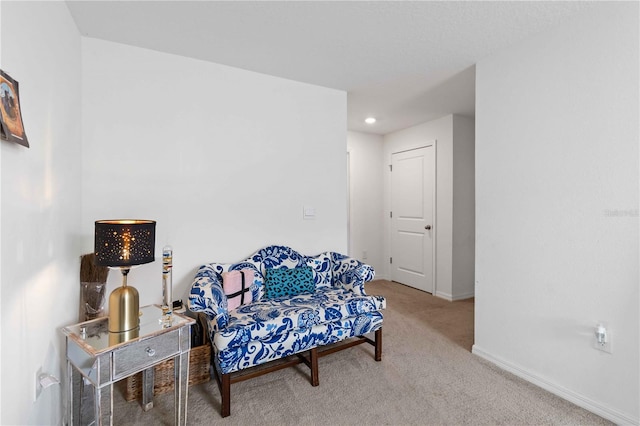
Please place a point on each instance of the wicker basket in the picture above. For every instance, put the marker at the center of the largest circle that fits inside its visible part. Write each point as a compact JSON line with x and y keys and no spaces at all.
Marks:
{"x":199,"y":360}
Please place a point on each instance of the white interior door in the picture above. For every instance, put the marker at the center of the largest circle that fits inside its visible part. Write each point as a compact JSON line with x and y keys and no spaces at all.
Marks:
{"x":412,"y":225}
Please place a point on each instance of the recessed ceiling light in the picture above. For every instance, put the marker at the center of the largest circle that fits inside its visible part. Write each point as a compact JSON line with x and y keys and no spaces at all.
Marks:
{"x":370,"y":120}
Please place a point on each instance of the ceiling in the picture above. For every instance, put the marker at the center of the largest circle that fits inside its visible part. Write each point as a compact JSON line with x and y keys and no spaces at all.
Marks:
{"x":403,"y":62}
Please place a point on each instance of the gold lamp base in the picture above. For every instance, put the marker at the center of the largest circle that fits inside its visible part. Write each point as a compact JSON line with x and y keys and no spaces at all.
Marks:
{"x":124,"y":310}
{"x":125,"y":336}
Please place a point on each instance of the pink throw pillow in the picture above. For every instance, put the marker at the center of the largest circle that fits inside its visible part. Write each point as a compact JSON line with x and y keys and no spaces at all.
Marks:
{"x":237,"y":287}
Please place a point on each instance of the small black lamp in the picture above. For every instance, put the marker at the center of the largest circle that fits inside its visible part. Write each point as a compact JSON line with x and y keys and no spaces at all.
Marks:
{"x":124,"y":243}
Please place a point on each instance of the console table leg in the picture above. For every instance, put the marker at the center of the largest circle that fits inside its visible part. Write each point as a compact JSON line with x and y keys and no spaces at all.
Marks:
{"x":104,"y":405}
{"x":75,"y":396}
{"x":181,"y":387}
{"x":148,"y":378}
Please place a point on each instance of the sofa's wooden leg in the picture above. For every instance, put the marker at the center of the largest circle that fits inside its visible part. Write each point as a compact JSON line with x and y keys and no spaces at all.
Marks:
{"x":225,"y":392}
{"x":378,"y":355}
{"x":313,"y":359}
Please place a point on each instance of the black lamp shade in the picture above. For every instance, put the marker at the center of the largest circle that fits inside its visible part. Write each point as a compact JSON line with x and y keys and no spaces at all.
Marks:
{"x":124,"y":242}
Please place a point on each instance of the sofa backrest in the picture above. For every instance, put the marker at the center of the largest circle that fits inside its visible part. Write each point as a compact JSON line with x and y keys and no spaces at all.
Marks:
{"x":328,"y":268}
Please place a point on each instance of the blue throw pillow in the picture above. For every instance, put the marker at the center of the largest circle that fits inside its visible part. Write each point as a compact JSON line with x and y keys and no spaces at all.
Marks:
{"x":281,"y":282}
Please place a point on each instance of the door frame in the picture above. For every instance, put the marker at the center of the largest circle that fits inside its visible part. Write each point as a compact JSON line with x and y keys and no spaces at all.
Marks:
{"x":434,"y":255}
{"x":349,"y":204}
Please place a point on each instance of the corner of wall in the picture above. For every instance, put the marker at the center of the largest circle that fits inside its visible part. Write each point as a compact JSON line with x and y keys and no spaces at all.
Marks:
{"x":1,"y":38}
{"x":365,"y":199}
{"x":463,"y":246}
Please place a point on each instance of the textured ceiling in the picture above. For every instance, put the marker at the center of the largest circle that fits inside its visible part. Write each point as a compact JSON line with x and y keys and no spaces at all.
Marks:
{"x":404,"y":62}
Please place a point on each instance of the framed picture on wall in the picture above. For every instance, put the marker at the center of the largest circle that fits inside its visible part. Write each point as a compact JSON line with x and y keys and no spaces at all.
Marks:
{"x":11,"y":127}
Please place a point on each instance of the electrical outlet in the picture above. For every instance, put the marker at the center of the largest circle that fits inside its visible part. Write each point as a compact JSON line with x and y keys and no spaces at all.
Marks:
{"x":602,"y":338}
{"x":43,"y":381}
{"x":364,"y":254}
{"x":37,"y":387}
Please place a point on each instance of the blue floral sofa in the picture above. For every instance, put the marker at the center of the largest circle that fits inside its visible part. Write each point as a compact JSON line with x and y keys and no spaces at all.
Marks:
{"x":270,"y":329}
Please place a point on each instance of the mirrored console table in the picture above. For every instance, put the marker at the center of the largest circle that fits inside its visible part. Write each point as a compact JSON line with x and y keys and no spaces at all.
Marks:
{"x":97,"y":359}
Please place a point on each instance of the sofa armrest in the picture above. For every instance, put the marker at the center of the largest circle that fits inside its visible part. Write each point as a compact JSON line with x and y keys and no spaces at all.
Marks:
{"x":207,"y":296}
{"x":350,"y":273}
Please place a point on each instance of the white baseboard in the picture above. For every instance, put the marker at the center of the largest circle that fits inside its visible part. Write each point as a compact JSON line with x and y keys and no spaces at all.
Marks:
{"x":444,"y":295}
{"x":452,"y":298}
{"x":464,"y":296}
{"x":571,"y":396}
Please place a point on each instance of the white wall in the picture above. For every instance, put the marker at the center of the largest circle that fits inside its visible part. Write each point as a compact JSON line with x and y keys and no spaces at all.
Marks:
{"x":0,"y":232}
{"x":463,"y":230}
{"x":40,"y":206}
{"x":366,"y":207}
{"x":223,"y":159}
{"x":441,"y":132}
{"x":557,"y":209}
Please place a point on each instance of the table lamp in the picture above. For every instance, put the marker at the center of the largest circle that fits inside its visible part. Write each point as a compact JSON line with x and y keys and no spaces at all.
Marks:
{"x":124,"y":243}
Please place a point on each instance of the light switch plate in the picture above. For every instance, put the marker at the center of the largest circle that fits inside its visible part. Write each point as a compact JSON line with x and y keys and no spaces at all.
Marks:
{"x":308,"y":213}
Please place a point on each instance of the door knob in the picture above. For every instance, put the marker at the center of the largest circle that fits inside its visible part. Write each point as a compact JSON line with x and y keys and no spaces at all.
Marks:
{"x":427,"y":227}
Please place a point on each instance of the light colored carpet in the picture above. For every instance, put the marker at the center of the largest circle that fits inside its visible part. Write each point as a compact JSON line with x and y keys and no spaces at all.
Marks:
{"x":427,"y":376}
